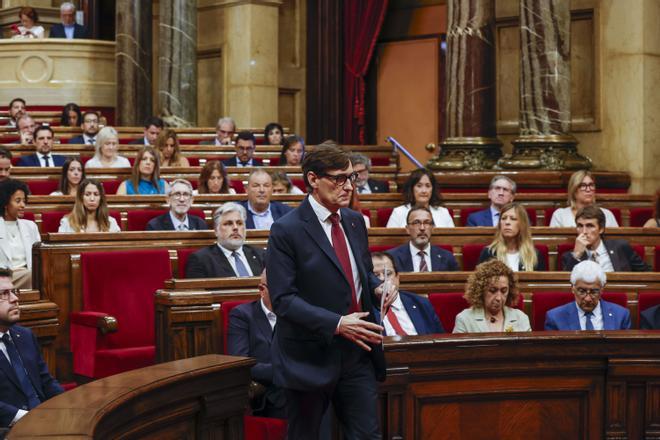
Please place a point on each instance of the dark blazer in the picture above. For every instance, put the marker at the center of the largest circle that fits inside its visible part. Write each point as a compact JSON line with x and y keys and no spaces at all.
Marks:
{"x":164,"y":223}
{"x":649,"y":319}
{"x":12,"y":397}
{"x":623,"y":256}
{"x":310,"y":293}
{"x":566,"y":317}
{"x":277,"y":210}
{"x":57,"y":31}
{"x":480,"y":218}
{"x":233,"y":161}
{"x":378,"y":186}
{"x":441,"y":259}
{"x":249,"y":334}
{"x":486,"y":255}
{"x":210,"y":262}
{"x":33,"y":160}
{"x":137,"y":141}
{"x":77,"y":140}
{"x":421,"y":313}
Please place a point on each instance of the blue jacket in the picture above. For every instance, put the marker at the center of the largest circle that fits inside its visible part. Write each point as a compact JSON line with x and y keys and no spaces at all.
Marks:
{"x":441,"y":260}
{"x":33,"y":161}
{"x":480,"y":218}
{"x":421,"y":313}
{"x":277,"y":210}
{"x":566,"y":317}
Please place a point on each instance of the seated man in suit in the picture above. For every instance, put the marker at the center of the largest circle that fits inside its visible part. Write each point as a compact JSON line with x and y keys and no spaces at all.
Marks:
{"x":502,"y":191}
{"x":418,"y":255}
{"x":245,"y":146}
{"x":5,"y":164}
{"x":43,"y":140}
{"x":409,"y":314}
{"x":26,"y":126}
{"x":588,"y":312}
{"x":365,"y":185}
{"x":180,"y":197}
{"x":68,"y":29}
{"x":649,"y":319}
{"x":17,"y":108}
{"x":229,"y":257}
{"x":90,"y":128}
{"x":261,"y":211}
{"x":224,"y":132}
{"x":250,"y":333}
{"x":152,"y":128}
{"x":611,"y":255}
{"x":24,"y":378}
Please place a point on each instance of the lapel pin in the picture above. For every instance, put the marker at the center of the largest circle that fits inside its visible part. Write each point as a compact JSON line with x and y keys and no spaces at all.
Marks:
{"x":414,"y":306}
{"x":609,"y":314}
{"x":612,"y":252}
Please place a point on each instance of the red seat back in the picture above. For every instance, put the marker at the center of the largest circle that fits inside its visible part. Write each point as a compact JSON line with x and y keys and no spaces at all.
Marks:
{"x":300,"y":183}
{"x":42,"y":187}
{"x":380,"y":161}
{"x":225,"y":309}
{"x":639,"y":216}
{"x":238,"y":186}
{"x":182,"y":259}
{"x":547,"y":212}
{"x":111,"y":186}
{"x":137,"y":220}
{"x":471,"y":254}
{"x":619,"y":298}
{"x":544,"y":301}
{"x":193,"y":161}
{"x":383,"y":215}
{"x":28,"y":216}
{"x":264,"y":428}
{"x":465,"y":213}
{"x":646,"y":300}
{"x":531,"y":213}
{"x":381,"y":247}
{"x":50,"y":220}
{"x":617,"y":215}
{"x":447,"y":306}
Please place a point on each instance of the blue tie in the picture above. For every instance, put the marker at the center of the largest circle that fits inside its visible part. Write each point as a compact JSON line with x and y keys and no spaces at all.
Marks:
{"x":21,"y":374}
{"x":589,"y":325}
{"x":240,"y":267}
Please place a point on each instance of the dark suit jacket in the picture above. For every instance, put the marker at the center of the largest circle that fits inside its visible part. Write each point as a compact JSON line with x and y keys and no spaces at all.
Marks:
{"x":624,"y":258}
{"x":33,"y":160}
{"x":210,"y":262}
{"x":78,"y":140}
{"x":164,"y":223}
{"x":249,"y":334}
{"x":650,"y":318}
{"x":480,"y":218}
{"x":233,"y":161}
{"x":486,"y":255}
{"x":12,"y":397}
{"x":441,"y":259}
{"x":57,"y":31}
{"x":277,"y":210}
{"x":137,"y":141}
{"x":310,"y":293}
{"x":421,"y":313}
{"x":566,"y":317}
{"x":378,"y":186}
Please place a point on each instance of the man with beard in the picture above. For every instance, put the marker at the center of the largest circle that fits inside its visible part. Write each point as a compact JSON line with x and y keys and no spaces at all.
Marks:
{"x":16,"y":110}
{"x":24,"y":378}
{"x":90,"y":128}
{"x":418,"y":255}
{"x":502,"y":190}
{"x":229,"y":257}
{"x":180,"y":196}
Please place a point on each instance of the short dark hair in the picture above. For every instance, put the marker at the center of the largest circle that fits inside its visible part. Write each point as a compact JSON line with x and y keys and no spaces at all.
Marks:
{"x":7,"y":189}
{"x":30,"y":12}
{"x":88,"y":112}
{"x":5,"y":272}
{"x":155,"y":121}
{"x":270,"y":127}
{"x":388,"y":256}
{"x":41,"y":128}
{"x":413,"y":179}
{"x":246,"y":136}
{"x":419,"y":208}
{"x":323,"y":159}
{"x":591,"y":212}
{"x":17,"y":99}
{"x":5,"y":153}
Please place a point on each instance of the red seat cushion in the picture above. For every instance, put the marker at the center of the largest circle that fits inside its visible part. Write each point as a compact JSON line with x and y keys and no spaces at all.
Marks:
{"x":447,"y":306}
{"x":383,"y":215}
{"x":50,"y":220}
{"x":238,"y":186}
{"x":115,"y":361}
{"x":42,"y":187}
{"x":471,"y":254}
{"x":111,"y":186}
{"x":647,"y":300}
{"x":380,"y":161}
{"x":225,"y":309}
{"x":639,"y":216}
{"x":182,"y":259}
{"x":137,"y":220}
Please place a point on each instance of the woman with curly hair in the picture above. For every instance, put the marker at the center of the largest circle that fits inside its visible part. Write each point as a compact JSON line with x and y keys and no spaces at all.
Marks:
{"x":213,"y":179}
{"x":90,"y":211}
{"x":491,"y":291}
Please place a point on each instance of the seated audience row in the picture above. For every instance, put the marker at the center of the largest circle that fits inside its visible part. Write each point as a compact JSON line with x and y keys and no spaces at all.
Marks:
{"x":68,"y":28}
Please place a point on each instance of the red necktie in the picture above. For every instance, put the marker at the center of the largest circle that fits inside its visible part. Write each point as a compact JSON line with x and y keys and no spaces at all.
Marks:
{"x":394,"y":322}
{"x":341,"y":250}
{"x":422,"y":264}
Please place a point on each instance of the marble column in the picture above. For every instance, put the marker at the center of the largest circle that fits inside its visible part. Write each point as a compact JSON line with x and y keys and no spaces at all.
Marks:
{"x":177,"y":60}
{"x":471,"y":142}
{"x":545,"y":89}
{"x":133,"y":55}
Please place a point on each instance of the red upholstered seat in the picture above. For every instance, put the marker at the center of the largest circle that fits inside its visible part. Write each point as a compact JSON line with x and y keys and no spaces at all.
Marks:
{"x":617,"y":215}
{"x":238,"y":186}
{"x":225,"y":309}
{"x":50,"y":220}
{"x":656,"y":262}
{"x":381,"y":247}
{"x":263,"y":428}
{"x":137,"y":220}
{"x":28,"y":216}
{"x":646,"y":300}
{"x":274,"y":161}
{"x":182,"y":259}
{"x":380,"y":161}
{"x":122,"y":285}
{"x":42,"y":187}
{"x":544,"y":301}
{"x":193,"y":161}
{"x":383,"y":215}
{"x":300,"y":183}
{"x":639,"y":216}
{"x":110,"y":186}
{"x":447,"y":306}
{"x":471,"y":254}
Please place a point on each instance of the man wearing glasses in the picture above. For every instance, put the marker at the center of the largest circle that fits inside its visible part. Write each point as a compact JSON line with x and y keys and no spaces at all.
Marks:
{"x":224,"y":132}
{"x":502,"y":191}
{"x":180,"y":198}
{"x":245,"y":146}
{"x":90,"y":128}
{"x":589,"y":311}
{"x":418,"y":255}
{"x":24,"y":378}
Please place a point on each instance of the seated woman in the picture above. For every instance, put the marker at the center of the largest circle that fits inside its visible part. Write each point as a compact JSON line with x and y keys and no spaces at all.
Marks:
{"x":282,"y":184}
{"x":29,"y":27}
{"x":72,"y":173}
{"x":107,"y":144}
{"x":491,"y":291}
{"x":145,"y":177}
{"x":16,"y":234}
{"x":655,"y":221}
{"x":421,"y":189}
{"x":71,"y":116}
{"x":168,"y":148}
{"x":273,"y":134}
{"x":213,"y":179}
{"x":293,"y":151}
{"x":513,"y":243}
{"x":90,"y":211}
{"x":581,"y":192}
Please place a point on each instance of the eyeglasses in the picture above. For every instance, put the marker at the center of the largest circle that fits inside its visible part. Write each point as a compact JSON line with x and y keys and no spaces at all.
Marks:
{"x":418,"y":223}
{"x":586,"y":186}
{"x":5,"y":294}
{"x":501,"y":188}
{"x":180,"y":195}
{"x":245,"y":149}
{"x":226,"y":133}
{"x":581,"y":292}
{"x":341,"y":179}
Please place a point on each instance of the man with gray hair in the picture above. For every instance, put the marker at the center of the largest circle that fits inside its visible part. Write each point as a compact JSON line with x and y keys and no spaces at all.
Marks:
{"x":68,"y":29}
{"x":224,"y":132}
{"x":589,"y":311}
{"x":180,"y":197}
{"x":502,"y":190}
{"x":229,"y":257}
{"x":362,"y":167}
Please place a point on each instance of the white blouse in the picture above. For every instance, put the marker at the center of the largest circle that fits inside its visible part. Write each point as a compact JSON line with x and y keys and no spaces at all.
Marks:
{"x":441,"y":217}
{"x":564,"y":218}
{"x":66,"y":227}
{"x":120,"y":162}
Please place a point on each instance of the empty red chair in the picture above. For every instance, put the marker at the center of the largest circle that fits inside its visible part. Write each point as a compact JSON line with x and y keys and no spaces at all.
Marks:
{"x":50,"y":220}
{"x":447,"y":306}
{"x":182,"y":256}
{"x":120,"y":285}
{"x":471,"y":254}
{"x":639,"y":216}
{"x":42,"y":187}
{"x":383,"y":215}
{"x":238,"y":186}
{"x":646,"y":300}
{"x":110,"y":186}
{"x":264,"y":428}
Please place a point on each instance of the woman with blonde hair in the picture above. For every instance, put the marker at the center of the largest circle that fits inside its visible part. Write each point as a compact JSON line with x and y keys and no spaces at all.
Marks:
{"x":581,"y":193}
{"x":107,"y":146}
{"x":513,"y":243}
{"x":145,"y":177}
{"x":90,"y":211}
{"x":169,"y":150}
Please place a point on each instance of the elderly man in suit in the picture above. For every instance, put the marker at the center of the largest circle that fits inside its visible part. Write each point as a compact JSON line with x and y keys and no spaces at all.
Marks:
{"x":68,"y":28}
{"x":611,"y":255}
{"x":43,"y":141}
{"x":363,"y":184}
{"x":224,"y":132}
{"x":245,"y":146}
{"x":502,"y":191}
{"x":180,"y":197}
{"x":589,"y":311}
{"x":261,"y":210}
{"x":418,"y":255}
{"x":229,"y":257}
{"x":24,"y":378}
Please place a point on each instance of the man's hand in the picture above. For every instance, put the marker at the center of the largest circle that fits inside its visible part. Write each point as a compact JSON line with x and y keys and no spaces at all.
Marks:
{"x":391,"y":294}
{"x":581,"y":245}
{"x":354,"y":328}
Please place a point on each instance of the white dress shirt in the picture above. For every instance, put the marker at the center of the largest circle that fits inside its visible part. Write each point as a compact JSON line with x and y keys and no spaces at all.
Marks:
{"x":42,"y":161}
{"x":417,"y":260}
{"x":596,"y":319}
{"x":272,"y":318}
{"x":513,"y":261}
{"x":602,"y":257}
{"x":241,"y":255}
{"x":403,"y":318}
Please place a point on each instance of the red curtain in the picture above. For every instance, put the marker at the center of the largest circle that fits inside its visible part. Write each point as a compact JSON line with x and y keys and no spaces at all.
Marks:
{"x":362,"y":22}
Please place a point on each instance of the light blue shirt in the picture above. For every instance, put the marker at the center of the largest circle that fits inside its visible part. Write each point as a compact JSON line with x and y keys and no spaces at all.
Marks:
{"x":262,"y":220}
{"x":69,"y":30}
{"x":495,"y":215}
{"x":596,"y":319}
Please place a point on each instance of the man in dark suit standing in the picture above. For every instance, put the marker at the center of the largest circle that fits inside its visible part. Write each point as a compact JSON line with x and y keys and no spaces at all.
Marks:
{"x":502,"y":190}
{"x":418,"y":255}
{"x":611,"y":255}
{"x":152,"y":128}
{"x":68,"y":29}
{"x":245,"y":147}
{"x":409,"y":314}
{"x":90,"y":128}
{"x":43,"y":140}
{"x":229,"y":257}
{"x":24,"y":378}
{"x":261,"y":211}
{"x":180,"y":197}
{"x":363,"y":184}
{"x":327,"y":345}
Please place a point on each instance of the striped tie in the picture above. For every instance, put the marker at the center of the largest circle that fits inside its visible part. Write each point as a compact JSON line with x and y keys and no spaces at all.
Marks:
{"x":422,"y":262}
